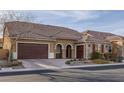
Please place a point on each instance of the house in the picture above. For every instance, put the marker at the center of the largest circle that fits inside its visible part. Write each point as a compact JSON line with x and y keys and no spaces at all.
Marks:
{"x":1,"y":42}
{"x":39,"y":41}
{"x":33,"y":41}
{"x":102,"y":42}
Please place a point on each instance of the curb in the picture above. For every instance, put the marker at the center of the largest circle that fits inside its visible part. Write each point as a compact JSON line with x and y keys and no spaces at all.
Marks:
{"x":24,"y":71}
{"x":94,"y":65}
{"x":98,"y":66}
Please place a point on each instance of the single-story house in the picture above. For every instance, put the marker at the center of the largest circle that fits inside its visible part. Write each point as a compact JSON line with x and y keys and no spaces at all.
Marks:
{"x":39,"y":41}
{"x":33,"y":41}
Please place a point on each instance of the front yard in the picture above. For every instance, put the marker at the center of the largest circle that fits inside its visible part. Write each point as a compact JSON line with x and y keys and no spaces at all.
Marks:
{"x":96,"y":58}
{"x":11,"y":65}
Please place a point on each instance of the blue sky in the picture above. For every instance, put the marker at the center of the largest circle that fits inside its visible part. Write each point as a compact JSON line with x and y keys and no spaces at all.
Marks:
{"x":106,"y":21}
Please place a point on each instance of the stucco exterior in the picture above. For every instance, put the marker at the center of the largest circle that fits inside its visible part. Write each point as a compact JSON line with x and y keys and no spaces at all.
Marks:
{"x":52,"y":46}
{"x":89,"y":42}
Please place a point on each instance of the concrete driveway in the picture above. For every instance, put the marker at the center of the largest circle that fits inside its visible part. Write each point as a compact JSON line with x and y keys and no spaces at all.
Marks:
{"x":44,"y":63}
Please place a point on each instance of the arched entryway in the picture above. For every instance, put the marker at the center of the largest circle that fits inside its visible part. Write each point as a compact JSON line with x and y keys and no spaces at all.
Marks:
{"x":58,"y":51}
{"x":68,"y":51}
{"x":94,"y":48}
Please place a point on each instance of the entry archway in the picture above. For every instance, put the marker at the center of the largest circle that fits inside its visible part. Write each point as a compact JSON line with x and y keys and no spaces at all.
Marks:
{"x":68,"y":51}
{"x":58,"y":51}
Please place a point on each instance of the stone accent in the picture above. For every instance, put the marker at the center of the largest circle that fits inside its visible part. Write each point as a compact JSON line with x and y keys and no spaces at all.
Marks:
{"x":63,"y":53}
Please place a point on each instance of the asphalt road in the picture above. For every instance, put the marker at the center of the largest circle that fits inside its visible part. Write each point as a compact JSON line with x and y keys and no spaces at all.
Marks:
{"x":103,"y":74}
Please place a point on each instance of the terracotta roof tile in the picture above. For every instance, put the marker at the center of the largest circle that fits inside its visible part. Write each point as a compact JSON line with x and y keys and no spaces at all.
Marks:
{"x":99,"y":36}
{"x":39,"y":31}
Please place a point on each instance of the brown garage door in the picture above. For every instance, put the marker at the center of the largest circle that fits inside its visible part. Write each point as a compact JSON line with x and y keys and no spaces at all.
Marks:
{"x":32,"y":51}
{"x":80,"y":51}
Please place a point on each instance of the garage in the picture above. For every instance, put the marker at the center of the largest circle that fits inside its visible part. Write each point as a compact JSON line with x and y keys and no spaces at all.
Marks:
{"x":80,"y":51}
{"x":32,"y":51}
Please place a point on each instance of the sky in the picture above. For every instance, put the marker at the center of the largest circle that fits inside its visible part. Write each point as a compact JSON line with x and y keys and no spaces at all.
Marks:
{"x":105,"y":21}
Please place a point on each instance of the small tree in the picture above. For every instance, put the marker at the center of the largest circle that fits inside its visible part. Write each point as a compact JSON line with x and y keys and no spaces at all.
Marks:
{"x":13,"y":41}
{"x":95,"y":55}
{"x":6,"y":16}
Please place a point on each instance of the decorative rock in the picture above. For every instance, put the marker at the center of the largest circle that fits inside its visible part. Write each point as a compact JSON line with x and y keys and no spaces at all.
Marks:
{"x":7,"y":68}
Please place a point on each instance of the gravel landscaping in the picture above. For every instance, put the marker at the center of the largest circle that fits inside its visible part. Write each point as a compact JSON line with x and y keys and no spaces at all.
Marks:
{"x":4,"y":65}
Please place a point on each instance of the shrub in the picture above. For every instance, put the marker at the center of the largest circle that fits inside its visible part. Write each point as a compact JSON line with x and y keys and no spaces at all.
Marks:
{"x":95,"y":55}
{"x":11,"y":56}
{"x":100,"y":61}
{"x":108,"y":56}
{"x":117,"y":59}
{"x":69,"y":61}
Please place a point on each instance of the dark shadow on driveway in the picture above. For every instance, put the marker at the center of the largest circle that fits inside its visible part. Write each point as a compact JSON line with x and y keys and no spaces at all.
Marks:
{"x":26,"y":72}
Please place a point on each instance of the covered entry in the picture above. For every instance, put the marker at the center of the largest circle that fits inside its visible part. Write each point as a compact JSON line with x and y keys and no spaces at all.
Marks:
{"x":58,"y":51}
{"x":68,"y":51}
{"x":80,"y":51}
{"x":32,"y":51}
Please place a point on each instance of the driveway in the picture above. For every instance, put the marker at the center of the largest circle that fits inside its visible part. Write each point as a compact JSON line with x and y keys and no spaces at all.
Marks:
{"x":60,"y":63}
{"x":44,"y":63}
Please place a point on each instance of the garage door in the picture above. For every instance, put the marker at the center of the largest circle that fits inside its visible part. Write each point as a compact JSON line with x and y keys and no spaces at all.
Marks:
{"x":80,"y":51}
{"x":32,"y":51}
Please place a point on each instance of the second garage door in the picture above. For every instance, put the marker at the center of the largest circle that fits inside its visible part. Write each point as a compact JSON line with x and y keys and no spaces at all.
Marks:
{"x":32,"y":51}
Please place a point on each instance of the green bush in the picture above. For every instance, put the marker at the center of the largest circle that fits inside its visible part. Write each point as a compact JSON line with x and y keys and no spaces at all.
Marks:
{"x":95,"y":55}
{"x":107,"y":56}
{"x":117,"y":59}
{"x":100,"y":61}
{"x":69,"y":61}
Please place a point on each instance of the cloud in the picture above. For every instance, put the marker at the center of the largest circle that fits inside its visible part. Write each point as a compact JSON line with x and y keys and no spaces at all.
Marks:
{"x":75,"y":15}
{"x":115,"y":27}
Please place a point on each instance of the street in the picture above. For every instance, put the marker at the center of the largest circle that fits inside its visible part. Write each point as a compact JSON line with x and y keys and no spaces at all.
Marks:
{"x":69,"y":75}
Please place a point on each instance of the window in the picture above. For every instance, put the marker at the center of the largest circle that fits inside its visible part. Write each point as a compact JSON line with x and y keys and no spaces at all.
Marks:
{"x":89,"y":45}
{"x":110,"y":49}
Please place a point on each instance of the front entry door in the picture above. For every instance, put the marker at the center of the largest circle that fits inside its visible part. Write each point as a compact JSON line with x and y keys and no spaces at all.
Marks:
{"x":80,"y":51}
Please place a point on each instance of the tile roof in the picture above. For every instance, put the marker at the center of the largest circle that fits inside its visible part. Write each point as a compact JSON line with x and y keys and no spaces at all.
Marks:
{"x":40,"y":31}
{"x":99,"y":36}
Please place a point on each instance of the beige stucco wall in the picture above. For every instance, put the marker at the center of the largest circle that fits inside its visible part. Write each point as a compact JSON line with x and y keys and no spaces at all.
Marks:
{"x":88,"y":48}
{"x":52,"y":46}
{"x":64,"y":44}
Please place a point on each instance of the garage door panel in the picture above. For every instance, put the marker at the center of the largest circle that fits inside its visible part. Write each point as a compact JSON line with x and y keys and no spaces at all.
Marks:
{"x":32,"y":51}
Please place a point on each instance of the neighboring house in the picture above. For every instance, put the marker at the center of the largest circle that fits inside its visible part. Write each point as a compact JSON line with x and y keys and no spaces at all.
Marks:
{"x":1,"y":42}
{"x":102,"y":42}
{"x":38,"y":41}
{"x":33,"y":41}
{"x":117,"y":43}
